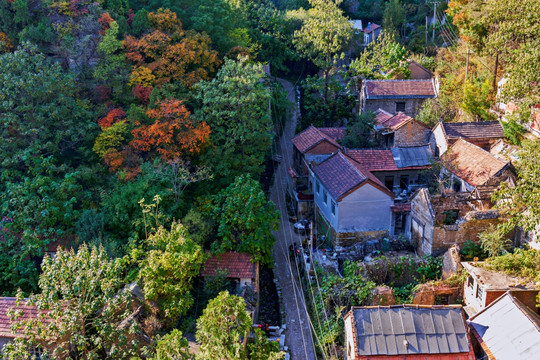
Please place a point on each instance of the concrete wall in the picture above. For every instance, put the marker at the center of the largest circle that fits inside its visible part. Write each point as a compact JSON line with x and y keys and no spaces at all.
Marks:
{"x":412,"y":106}
{"x":366,"y":209}
{"x":325,"y":208}
{"x":422,"y":220}
{"x":413,"y":133}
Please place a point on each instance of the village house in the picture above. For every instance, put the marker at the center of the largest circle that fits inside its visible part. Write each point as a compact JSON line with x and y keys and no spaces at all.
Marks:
{"x":481,"y":133}
{"x":28,"y":312}
{"x":395,"y":96}
{"x":371,"y":33}
{"x":506,"y":330}
{"x":400,"y":169}
{"x":400,"y":130}
{"x":473,"y":169}
{"x":439,"y":221}
{"x":239,"y":268}
{"x":484,"y":286}
{"x":313,"y":142}
{"x":412,"y":332}
{"x":351,"y":203}
{"x":418,"y":72}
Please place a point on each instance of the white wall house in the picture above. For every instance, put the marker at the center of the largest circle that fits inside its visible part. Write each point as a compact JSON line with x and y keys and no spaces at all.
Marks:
{"x":350,"y":198}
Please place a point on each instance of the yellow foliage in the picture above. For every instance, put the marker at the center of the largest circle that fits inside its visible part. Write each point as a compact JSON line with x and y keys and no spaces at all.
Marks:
{"x":143,"y":76}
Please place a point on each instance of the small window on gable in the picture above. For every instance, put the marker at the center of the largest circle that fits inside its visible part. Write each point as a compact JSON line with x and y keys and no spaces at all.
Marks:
{"x":480,"y":293}
{"x":333,"y":208}
{"x":318,"y":186}
{"x":400,"y":106}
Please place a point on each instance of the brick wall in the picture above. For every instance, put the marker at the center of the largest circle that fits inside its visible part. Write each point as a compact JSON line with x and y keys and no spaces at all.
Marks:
{"x":412,"y":106}
{"x":322,"y":148}
{"x":348,"y":239}
{"x":413,"y":133}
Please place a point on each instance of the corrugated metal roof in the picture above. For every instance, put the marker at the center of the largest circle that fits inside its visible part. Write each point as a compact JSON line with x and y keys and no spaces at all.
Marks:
{"x":428,"y":330}
{"x":509,"y":329}
{"x":412,"y":156}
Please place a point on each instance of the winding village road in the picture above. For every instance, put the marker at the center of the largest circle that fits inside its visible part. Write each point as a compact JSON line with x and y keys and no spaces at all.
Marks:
{"x":298,"y":336}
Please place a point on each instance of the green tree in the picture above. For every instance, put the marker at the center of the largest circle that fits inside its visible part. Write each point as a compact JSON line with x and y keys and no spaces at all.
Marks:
{"x":383,"y":58}
{"x":324,"y":34}
{"x":112,"y":68}
{"x":521,"y":203}
{"x":493,"y":241}
{"x":360,"y":132}
{"x":42,"y":114}
{"x":394,"y":18}
{"x":172,"y":263}
{"x":85,"y":302}
{"x":236,"y":107}
{"x":222,"y":327}
{"x":245,"y":219}
{"x":173,"y":346}
{"x":476,"y":102}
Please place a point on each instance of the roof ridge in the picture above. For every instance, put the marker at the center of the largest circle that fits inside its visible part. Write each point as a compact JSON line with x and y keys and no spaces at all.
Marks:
{"x":470,"y":122}
{"x":397,"y":80}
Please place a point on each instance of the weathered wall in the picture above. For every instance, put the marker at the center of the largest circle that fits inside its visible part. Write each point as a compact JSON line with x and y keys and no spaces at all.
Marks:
{"x":417,"y":72}
{"x":412,"y":106}
{"x":414,"y":176}
{"x":413,"y":133}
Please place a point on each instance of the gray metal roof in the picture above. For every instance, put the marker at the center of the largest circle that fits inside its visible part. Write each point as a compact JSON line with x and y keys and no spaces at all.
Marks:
{"x":427,"y":330}
{"x":509,"y":329}
{"x":412,"y":156}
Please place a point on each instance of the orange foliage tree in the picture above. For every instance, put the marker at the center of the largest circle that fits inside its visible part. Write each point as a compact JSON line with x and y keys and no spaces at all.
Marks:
{"x":172,"y":134}
{"x":169,"y":53}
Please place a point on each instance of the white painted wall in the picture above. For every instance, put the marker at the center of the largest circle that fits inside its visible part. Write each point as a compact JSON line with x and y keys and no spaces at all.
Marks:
{"x":366,"y":209}
{"x":438,"y":138}
{"x":349,"y":339}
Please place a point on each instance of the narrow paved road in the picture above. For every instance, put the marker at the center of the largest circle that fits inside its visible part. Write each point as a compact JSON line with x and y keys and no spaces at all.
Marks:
{"x":298,"y":335}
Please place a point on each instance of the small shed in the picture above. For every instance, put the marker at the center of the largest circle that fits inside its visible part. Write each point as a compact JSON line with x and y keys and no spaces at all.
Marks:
{"x":239,"y":267}
{"x":506,"y":330}
{"x":407,"y":332}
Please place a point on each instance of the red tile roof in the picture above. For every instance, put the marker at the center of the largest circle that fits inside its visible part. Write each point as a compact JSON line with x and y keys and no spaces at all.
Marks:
{"x":340,"y":174}
{"x":374,"y":159}
{"x":381,"y":116}
{"x":371,"y":28}
{"x":471,"y":163}
{"x":473,"y":130}
{"x":28,"y":312}
{"x":312,"y":136}
{"x":399,"y":89}
{"x":238,"y":265}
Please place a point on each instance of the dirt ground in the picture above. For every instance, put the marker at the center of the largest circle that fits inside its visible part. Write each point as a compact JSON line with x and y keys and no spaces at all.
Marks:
{"x":298,"y":336}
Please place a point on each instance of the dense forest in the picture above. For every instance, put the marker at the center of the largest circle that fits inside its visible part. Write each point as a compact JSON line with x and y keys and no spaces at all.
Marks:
{"x":138,"y":136}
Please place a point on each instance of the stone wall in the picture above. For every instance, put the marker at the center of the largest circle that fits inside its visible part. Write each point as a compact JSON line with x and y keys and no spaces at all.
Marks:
{"x":350,"y":239}
{"x":412,"y":106}
{"x":413,"y":133}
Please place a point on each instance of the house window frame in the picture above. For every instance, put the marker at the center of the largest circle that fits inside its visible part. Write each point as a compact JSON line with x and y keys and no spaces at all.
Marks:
{"x":325,"y":197}
{"x":480,"y":293}
{"x":399,"y":105}
{"x":333,"y":207}
{"x":318,"y":186}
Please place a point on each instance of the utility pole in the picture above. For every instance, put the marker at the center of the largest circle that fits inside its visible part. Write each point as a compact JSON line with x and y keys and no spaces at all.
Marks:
{"x":434,"y":20}
{"x":426,"y":29}
{"x":495,"y":72}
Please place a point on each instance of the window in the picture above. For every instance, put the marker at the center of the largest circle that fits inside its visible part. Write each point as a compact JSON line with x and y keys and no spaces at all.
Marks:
{"x":333,"y":208}
{"x":325,"y":197}
{"x":470,"y":283}
{"x":389,"y":182}
{"x":400,"y":106}
{"x":404,"y":182}
{"x":480,"y":293}
{"x":318,"y":187}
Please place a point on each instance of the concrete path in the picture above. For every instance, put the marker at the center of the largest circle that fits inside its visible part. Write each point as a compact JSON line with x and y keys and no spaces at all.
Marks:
{"x":298,"y":336}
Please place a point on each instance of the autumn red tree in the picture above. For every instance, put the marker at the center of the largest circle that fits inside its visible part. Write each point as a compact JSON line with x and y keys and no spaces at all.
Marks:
{"x":172,"y":134}
{"x":111,"y":117}
{"x":169,"y":53}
